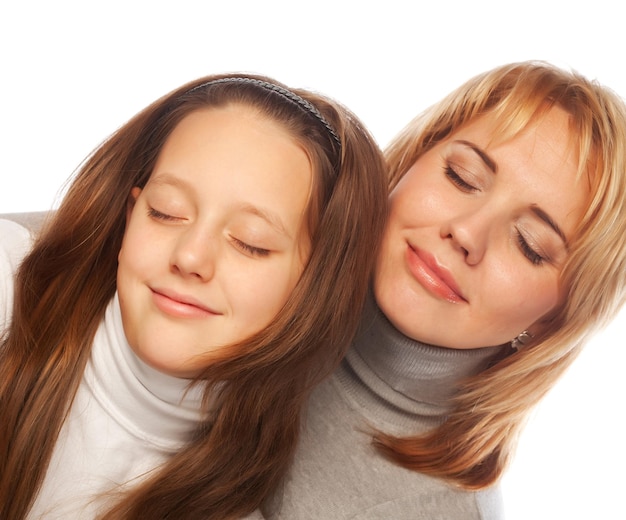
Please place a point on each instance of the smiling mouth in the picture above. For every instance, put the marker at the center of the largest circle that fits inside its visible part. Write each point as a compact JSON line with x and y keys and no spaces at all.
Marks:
{"x":180,"y":306}
{"x":434,"y":278}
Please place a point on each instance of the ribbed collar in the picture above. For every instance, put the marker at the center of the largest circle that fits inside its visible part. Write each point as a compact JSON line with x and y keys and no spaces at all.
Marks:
{"x":395,"y":380}
{"x":150,"y":405}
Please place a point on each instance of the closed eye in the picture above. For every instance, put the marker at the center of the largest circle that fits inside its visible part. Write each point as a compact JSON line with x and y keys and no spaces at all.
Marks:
{"x":529,"y":252}
{"x":458,"y":181}
{"x":153,"y":213}
{"x":251,"y":250}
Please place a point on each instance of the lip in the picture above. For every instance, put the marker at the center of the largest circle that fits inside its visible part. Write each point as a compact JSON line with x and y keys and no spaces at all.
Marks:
{"x":433,"y":277}
{"x":180,"y":305}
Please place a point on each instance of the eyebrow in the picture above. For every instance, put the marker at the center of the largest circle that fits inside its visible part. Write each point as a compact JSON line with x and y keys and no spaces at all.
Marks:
{"x":550,"y":221}
{"x":489,"y":162}
{"x":271,"y":218}
{"x":166,"y":179}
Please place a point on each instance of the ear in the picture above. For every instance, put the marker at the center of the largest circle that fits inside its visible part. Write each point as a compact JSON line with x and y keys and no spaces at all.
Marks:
{"x":132,"y":199}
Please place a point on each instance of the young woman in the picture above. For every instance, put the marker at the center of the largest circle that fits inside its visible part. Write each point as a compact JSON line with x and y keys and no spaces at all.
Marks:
{"x":205,"y":270}
{"x":503,"y":251}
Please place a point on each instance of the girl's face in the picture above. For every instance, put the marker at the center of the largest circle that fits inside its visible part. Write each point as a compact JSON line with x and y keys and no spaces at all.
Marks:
{"x":478,"y":233}
{"x":216,"y":240}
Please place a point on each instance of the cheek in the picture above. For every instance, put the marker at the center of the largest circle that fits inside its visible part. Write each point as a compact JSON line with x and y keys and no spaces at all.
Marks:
{"x":122,"y":259}
{"x":129,"y":254}
{"x":267,"y":292}
{"x":544,"y":298}
{"x":126,"y":278}
{"x":530,"y":298}
{"x":142,"y":247}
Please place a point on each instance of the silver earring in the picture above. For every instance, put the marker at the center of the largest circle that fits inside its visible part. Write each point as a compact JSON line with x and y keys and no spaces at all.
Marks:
{"x":522,"y":339}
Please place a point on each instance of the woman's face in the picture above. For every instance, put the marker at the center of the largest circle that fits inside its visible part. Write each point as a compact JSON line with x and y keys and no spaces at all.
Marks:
{"x":478,"y":233}
{"x":216,"y":240}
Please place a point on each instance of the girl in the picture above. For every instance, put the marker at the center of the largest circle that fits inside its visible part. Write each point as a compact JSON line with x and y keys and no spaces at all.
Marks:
{"x":205,"y":270}
{"x":503,"y":251}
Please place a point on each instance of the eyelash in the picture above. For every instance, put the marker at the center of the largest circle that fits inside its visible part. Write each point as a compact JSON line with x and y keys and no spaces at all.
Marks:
{"x":255,"y":251}
{"x":458,"y":181}
{"x":529,"y":252}
{"x":160,"y":216}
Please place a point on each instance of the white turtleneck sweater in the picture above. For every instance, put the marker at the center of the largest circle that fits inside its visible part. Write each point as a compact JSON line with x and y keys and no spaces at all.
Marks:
{"x":394,"y":384}
{"x":126,"y":419}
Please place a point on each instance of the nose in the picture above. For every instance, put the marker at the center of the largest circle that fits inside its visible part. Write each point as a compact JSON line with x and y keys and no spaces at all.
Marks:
{"x":469,"y":233}
{"x":194,"y":254}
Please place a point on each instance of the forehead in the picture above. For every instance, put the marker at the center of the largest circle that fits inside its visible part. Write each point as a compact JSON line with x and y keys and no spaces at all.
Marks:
{"x":551,"y":124}
{"x":235,"y":153}
{"x":546,"y":140}
{"x":216,"y":132}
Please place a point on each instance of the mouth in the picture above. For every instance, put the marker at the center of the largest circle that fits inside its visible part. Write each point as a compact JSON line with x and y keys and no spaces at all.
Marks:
{"x":436,"y":279}
{"x":180,"y":305}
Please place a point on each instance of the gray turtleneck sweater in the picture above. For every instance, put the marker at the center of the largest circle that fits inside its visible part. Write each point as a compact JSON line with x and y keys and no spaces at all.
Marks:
{"x":391,"y":383}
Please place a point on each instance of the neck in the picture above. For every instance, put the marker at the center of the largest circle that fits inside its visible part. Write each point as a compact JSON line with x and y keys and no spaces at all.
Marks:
{"x":163,"y":409}
{"x":407,"y":378}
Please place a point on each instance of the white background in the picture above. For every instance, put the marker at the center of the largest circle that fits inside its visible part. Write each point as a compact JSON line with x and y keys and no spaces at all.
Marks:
{"x":72,"y":72}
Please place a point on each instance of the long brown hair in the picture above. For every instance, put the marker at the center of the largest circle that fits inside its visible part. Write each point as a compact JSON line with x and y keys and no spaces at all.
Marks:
{"x":473,"y":446}
{"x":63,"y":286}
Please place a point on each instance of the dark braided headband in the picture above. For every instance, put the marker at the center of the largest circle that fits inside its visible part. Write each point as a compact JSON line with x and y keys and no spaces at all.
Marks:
{"x":287,"y":94}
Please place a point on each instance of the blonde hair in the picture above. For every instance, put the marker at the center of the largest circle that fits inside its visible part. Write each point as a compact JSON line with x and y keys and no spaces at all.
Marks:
{"x":473,"y":446}
{"x":64,"y":285}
